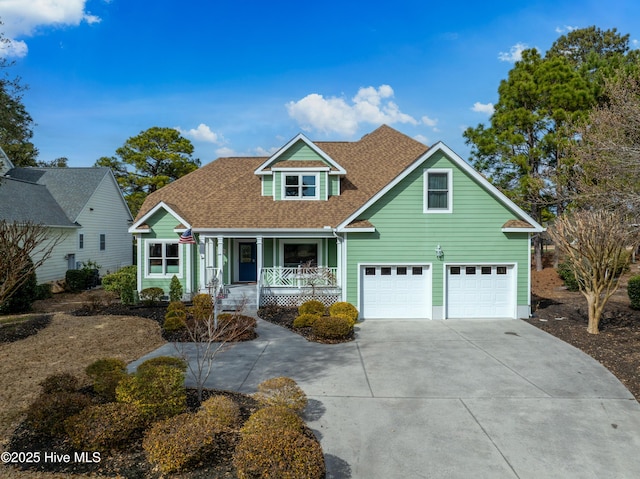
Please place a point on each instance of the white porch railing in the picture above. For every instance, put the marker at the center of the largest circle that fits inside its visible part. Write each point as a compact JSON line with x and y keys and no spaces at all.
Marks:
{"x":213,"y":280}
{"x":299,"y":277}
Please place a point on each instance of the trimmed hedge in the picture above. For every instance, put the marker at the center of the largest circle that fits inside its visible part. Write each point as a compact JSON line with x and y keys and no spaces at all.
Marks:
{"x":106,"y":374}
{"x":312,"y":306}
{"x":332,"y":327}
{"x":305,"y":320}
{"x":342,"y":308}
{"x":633,"y":290}
{"x":106,"y":427}
{"x":281,"y":391}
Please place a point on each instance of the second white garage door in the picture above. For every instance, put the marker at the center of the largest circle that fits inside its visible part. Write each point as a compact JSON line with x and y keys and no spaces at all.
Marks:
{"x":396,"y":291}
{"x":480,"y":291}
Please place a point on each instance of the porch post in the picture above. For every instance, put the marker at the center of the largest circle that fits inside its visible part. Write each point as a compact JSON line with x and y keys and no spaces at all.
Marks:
{"x":259,"y":263}
{"x":220,"y":258}
{"x":203,"y":265}
{"x":339,"y":260}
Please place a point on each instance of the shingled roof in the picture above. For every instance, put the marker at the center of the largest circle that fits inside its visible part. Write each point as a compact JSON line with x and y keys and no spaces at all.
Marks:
{"x":227,"y":194}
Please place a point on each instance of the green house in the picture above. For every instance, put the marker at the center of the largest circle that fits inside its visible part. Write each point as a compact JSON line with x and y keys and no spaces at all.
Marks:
{"x":398,"y":229}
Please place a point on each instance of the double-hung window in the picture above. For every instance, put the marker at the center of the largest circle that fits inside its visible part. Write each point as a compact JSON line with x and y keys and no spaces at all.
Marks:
{"x":438,"y":194}
{"x":163,"y":258}
{"x":301,"y":186}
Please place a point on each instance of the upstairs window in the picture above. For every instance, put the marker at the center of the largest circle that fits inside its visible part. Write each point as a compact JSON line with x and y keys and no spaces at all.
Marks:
{"x":300,"y":186}
{"x":438,"y":191}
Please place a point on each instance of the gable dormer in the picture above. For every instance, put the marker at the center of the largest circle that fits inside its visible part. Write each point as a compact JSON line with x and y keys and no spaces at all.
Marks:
{"x":300,"y":171}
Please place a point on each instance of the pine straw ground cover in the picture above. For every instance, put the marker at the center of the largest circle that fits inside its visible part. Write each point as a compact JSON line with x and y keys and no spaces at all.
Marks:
{"x":67,"y":344}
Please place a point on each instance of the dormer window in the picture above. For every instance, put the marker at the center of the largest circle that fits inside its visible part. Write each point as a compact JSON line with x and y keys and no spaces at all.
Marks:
{"x":301,"y":186}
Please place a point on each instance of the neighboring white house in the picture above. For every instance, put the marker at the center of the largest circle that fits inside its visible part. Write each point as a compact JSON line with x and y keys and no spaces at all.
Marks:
{"x":84,"y":205}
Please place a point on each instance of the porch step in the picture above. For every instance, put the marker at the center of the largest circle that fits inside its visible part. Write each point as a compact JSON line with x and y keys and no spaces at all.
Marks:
{"x":239,"y":295}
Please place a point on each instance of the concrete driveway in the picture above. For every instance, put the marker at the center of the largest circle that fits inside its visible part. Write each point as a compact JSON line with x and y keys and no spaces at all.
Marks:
{"x":448,"y":399}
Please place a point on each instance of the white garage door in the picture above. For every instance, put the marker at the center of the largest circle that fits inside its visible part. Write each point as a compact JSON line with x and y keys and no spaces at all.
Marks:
{"x":480,"y":291}
{"x":396,"y":291}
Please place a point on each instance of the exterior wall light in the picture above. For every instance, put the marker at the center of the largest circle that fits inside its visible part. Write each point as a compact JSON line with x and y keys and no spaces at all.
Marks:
{"x":439,"y":252}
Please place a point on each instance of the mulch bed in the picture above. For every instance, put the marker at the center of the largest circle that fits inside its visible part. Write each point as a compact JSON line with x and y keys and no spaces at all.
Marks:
{"x":23,"y":328}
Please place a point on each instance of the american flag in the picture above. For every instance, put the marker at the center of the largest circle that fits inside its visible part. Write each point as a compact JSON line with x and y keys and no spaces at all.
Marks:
{"x":186,"y":238}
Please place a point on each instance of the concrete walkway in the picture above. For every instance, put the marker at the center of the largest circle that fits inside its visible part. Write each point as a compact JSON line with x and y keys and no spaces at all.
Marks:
{"x":448,"y":399}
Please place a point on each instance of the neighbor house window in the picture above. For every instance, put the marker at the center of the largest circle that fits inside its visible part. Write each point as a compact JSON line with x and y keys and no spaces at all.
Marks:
{"x":81,"y":241}
{"x":103,"y":242}
{"x":300,"y":254}
{"x":163,"y":259}
{"x":438,"y":191}
{"x":301,"y":186}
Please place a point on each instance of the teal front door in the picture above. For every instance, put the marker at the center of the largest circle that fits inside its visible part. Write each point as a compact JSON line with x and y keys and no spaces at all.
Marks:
{"x":247,"y":271}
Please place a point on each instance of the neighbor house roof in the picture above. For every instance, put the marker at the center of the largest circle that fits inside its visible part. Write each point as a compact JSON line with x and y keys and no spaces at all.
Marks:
{"x":226,"y":193}
{"x":71,"y":188}
{"x":22,"y":201}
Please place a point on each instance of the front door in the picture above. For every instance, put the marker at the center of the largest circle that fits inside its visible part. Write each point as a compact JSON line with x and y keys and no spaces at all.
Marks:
{"x":247,"y":271}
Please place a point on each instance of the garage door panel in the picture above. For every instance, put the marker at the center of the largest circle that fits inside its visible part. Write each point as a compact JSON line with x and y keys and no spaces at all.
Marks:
{"x":396,"y":291}
{"x":480,"y":291}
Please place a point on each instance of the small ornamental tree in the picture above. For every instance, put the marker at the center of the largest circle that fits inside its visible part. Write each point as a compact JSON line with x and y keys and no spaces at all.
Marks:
{"x":594,"y":243}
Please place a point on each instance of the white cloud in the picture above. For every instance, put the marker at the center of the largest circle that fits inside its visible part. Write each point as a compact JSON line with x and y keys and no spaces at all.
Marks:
{"x":14,"y":48}
{"x":421,"y":139}
{"x":565,"y":29}
{"x":370,"y":105}
{"x":259,"y":151}
{"x":514,"y":54}
{"x":23,"y":18}
{"x":202,"y":133}
{"x":429,"y":121}
{"x":225,"y":152}
{"x":483,"y":108}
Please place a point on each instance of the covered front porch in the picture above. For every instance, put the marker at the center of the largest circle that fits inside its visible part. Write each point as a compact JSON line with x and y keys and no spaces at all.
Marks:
{"x":273,"y":269}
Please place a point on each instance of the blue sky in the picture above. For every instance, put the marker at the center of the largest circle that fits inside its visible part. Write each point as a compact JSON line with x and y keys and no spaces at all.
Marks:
{"x":243,"y":77}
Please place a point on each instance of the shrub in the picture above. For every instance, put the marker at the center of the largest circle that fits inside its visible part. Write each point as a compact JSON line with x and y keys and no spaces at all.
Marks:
{"x":311,"y":307}
{"x":175,"y":289}
{"x":305,"y":320}
{"x":202,"y":307}
{"x":276,"y":418}
{"x":106,"y":374}
{"x":46,"y":415}
{"x":177,"y":306}
{"x":75,"y":279}
{"x":282,"y":454}
{"x":168,"y":361}
{"x":633,"y":290}
{"x":565,"y":271}
{"x":332,"y":327}
{"x":223,"y":410}
{"x":236,"y":327}
{"x":281,"y":391}
{"x":59,"y":383}
{"x":175,"y":320}
{"x":105,"y":427}
{"x":150,"y":296}
{"x":157,"y":391}
{"x":24,"y":296}
{"x":342,"y":308}
{"x":123,"y":283}
{"x":182,"y":441}
{"x":44,"y":291}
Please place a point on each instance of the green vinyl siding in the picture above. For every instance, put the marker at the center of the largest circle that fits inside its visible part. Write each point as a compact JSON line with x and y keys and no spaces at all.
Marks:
{"x":161,"y":226}
{"x":267,"y":185}
{"x":299,"y":151}
{"x":470,"y":234}
{"x":334,"y":185}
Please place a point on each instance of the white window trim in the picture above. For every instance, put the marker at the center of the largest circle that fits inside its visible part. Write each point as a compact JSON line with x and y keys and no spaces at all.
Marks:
{"x":425,"y":195}
{"x":301,"y":241}
{"x":147,"y":273}
{"x":100,"y":248}
{"x":299,"y":174}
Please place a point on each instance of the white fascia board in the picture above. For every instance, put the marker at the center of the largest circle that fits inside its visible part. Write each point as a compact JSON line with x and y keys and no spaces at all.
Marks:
{"x":455,"y":158}
{"x":291,"y":142}
{"x":265,"y":232}
{"x":134,"y":228}
{"x":356,"y":230}
{"x":307,"y":168}
{"x":524,"y":230}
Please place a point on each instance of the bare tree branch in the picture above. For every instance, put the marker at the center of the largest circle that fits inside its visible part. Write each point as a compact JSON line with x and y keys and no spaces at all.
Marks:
{"x":24,"y":247}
